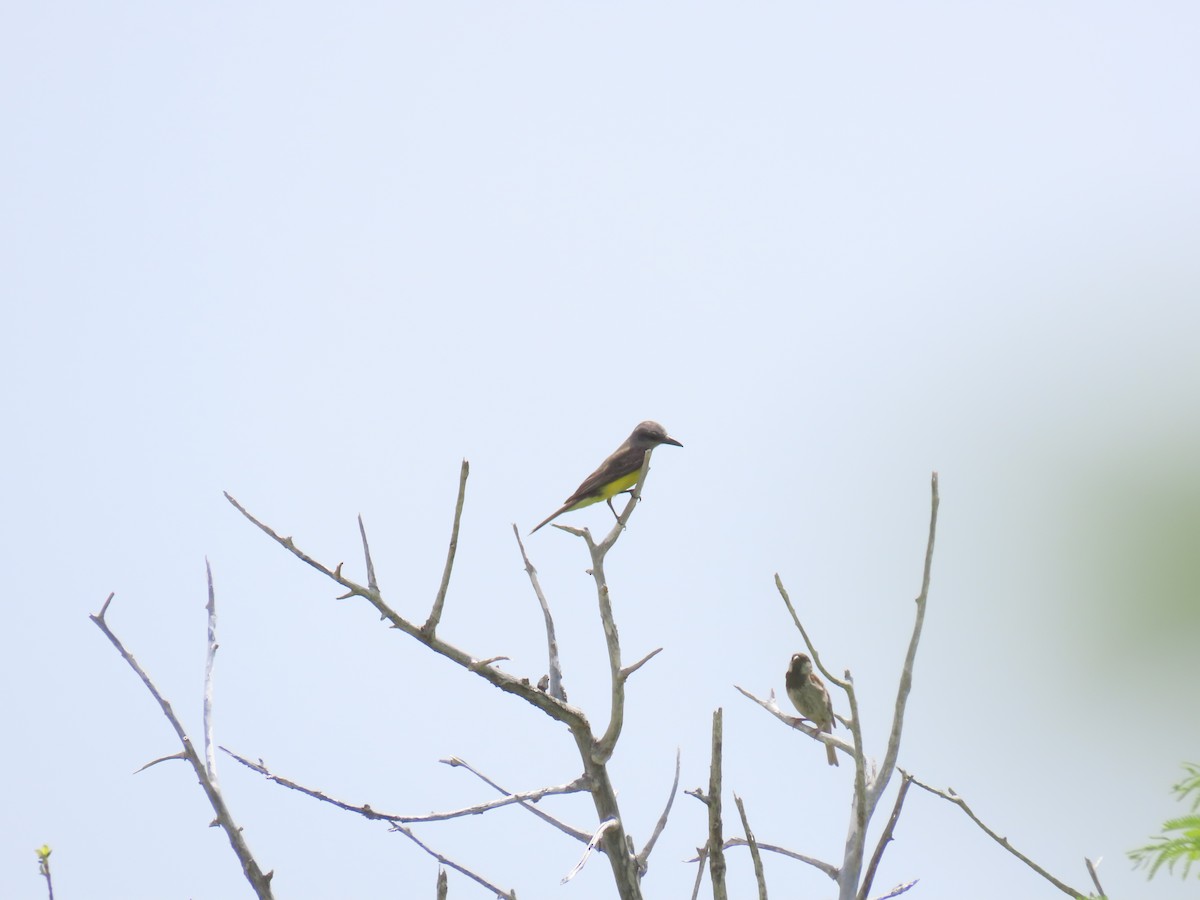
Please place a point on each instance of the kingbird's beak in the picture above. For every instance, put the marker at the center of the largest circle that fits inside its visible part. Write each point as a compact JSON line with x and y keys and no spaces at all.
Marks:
{"x":672,"y":441}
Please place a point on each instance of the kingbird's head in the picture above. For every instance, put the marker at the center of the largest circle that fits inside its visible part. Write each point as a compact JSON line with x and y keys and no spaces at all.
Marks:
{"x":650,"y":434}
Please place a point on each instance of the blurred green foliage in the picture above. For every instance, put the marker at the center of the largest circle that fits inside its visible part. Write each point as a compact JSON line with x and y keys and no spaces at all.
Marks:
{"x":1180,"y":840}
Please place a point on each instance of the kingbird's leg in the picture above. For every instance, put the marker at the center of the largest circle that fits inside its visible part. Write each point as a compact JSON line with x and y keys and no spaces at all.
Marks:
{"x":613,"y":508}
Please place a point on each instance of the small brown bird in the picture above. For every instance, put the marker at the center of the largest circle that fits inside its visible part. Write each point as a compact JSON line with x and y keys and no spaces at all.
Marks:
{"x":807,"y":693}
{"x":618,"y":473}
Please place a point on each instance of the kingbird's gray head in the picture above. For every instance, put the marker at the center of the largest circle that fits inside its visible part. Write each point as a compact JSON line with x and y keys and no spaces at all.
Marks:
{"x":651,"y":434}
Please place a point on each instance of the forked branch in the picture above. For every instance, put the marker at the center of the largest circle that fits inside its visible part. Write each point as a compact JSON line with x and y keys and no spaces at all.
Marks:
{"x":205,"y":773}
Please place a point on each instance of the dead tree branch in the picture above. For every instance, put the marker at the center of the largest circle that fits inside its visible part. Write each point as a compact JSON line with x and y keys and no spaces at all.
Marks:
{"x":259,"y":881}
{"x":950,"y":796}
{"x":593,"y":752}
{"x":753,"y":845}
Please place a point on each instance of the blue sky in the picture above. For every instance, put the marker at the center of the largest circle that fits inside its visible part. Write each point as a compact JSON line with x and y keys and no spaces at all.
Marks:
{"x":315,"y":256}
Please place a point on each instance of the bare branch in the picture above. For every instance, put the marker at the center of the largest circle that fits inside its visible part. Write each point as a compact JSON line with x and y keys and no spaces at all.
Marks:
{"x":556,"y":686}
{"x":829,"y":870}
{"x":372,"y":584}
{"x":812,"y":650}
{"x":630,"y":669}
{"x":573,"y":787}
{"x":701,"y":857}
{"x":1092,"y":867}
{"x":290,"y":546}
{"x":435,"y":615}
{"x":898,"y":890}
{"x":885,"y":838}
{"x":644,"y":856}
{"x":616,"y":721}
{"x":867,"y":796}
{"x":862,"y":807}
{"x":605,"y":826}
{"x":796,"y":722}
{"x":754,"y":854}
{"x":446,"y":861}
{"x":367,"y":811}
{"x":716,"y":845}
{"x":593,"y":753}
{"x":154,"y":762}
{"x":608,"y":741}
{"x":958,"y":801}
{"x":210,"y":762}
{"x":556,"y":709}
{"x":259,"y":881}
{"x":577,"y":833}
{"x":893,"y":748}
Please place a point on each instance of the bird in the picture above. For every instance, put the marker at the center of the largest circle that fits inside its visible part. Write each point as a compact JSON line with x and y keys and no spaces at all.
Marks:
{"x":807,"y":693}
{"x":617,"y":473}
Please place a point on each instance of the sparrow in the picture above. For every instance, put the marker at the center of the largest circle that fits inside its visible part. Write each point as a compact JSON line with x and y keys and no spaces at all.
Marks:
{"x":807,"y":693}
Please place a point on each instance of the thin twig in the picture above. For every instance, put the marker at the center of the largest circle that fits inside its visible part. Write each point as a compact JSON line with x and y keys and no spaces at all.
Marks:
{"x":435,"y":614}
{"x":154,"y":762}
{"x":772,"y":706}
{"x":862,"y":808}
{"x":556,"y":709}
{"x":446,"y":861}
{"x":210,"y":760}
{"x":898,"y":890}
{"x":290,"y":545}
{"x":893,"y":747}
{"x":701,"y":857}
{"x":577,"y":833}
{"x":826,"y":868}
{"x":372,"y":584}
{"x":259,"y":881}
{"x":43,"y":855}
{"x":885,"y":838}
{"x":958,"y":801}
{"x":593,"y":843}
{"x":633,"y":667}
{"x":556,"y":686}
{"x":367,"y":811}
{"x":608,"y":741}
{"x":812,"y":650}
{"x":755,"y":856}
{"x":716,"y":844}
{"x":1092,"y":867}
{"x":866,"y":798}
{"x":644,"y":856}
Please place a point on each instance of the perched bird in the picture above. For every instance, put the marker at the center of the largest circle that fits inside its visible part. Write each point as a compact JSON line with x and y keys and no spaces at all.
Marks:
{"x":617,"y":473}
{"x":807,"y":693}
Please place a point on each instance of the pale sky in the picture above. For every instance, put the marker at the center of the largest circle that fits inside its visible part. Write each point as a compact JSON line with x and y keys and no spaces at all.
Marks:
{"x":316,"y":255}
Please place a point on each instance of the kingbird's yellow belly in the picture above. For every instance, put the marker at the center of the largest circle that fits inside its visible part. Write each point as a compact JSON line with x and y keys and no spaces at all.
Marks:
{"x":624,"y":483}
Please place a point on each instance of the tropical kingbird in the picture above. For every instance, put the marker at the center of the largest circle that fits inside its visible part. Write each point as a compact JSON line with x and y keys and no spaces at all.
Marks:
{"x":617,"y":473}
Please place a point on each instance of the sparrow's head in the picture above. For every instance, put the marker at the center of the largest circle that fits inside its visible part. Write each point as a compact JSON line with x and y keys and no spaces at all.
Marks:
{"x":801,"y":664}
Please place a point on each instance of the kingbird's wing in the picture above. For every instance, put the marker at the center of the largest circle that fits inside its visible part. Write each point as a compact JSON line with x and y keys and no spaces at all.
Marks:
{"x":621,"y":463}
